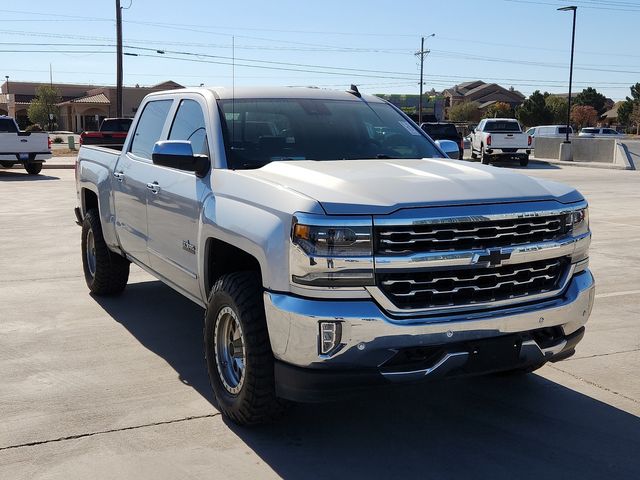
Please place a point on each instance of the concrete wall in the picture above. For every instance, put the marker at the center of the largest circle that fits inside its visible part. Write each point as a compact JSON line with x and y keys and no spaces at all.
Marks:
{"x":547,"y":147}
{"x":583,"y":149}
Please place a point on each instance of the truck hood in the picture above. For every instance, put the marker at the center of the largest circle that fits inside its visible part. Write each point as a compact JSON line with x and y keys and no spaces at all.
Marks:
{"x":372,"y":187}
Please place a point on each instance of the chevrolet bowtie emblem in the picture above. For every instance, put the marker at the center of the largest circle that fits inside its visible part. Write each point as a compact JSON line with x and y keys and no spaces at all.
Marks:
{"x":494,"y":257}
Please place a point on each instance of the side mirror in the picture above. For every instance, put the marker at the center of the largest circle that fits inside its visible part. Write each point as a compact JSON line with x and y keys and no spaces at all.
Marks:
{"x":450,"y":148}
{"x":178,"y":154}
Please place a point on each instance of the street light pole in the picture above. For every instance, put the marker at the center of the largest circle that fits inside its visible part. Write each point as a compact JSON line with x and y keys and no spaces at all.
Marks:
{"x":7,"y":78}
{"x":573,"y":41}
{"x":119,"y":59}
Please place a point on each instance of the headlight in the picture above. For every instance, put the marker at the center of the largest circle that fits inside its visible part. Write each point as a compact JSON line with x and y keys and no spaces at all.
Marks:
{"x":580,"y":222}
{"x":333,"y":241}
{"x":331,"y":252}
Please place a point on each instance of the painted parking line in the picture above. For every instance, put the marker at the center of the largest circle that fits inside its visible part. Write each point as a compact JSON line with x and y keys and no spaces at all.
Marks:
{"x":617,"y":294}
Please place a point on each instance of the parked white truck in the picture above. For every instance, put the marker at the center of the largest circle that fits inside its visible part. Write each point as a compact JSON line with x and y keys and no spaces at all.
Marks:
{"x":500,"y":139}
{"x":333,"y":245}
{"x":30,"y":149}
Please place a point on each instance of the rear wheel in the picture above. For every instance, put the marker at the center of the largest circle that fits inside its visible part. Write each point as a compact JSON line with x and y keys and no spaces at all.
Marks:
{"x":105,"y":272}
{"x":484,"y":158}
{"x":238,"y":352}
{"x":33,"y":168}
{"x":524,"y":161}
{"x":7,"y":164}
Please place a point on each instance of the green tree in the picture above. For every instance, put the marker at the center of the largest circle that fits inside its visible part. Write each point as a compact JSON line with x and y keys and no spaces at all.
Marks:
{"x":465,"y":112}
{"x":584,"y":115}
{"x":635,"y":117}
{"x":558,"y":107}
{"x":626,"y":109}
{"x":590,"y":96}
{"x":534,"y":111}
{"x":43,"y":105}
{"x":499,"y":110}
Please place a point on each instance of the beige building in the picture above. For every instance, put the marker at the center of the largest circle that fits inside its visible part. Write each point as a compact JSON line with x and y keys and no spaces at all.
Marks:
{"x":83,"y":106}
{"x":485,"y":94}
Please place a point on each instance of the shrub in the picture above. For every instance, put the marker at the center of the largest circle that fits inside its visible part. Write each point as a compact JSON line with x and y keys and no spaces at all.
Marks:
{"x":33,"y":128}
{"x":58,"y":140}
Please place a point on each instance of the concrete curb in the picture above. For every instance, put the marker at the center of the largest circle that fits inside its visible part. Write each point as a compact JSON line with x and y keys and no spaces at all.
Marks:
{"x":602,"y":165}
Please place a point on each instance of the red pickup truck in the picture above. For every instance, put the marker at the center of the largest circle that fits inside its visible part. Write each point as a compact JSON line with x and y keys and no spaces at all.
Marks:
{"x":112,"y":132}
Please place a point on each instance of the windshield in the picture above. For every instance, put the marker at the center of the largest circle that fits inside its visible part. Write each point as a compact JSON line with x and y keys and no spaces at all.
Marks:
{"x":260,"y":131}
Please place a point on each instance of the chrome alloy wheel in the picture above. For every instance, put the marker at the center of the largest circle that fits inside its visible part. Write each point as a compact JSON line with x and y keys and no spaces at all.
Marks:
{"x":91,"y":253}
{"x":228,"y":343}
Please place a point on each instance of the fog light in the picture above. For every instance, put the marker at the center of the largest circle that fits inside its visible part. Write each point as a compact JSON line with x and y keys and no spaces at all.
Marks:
{"x":330,"y":333}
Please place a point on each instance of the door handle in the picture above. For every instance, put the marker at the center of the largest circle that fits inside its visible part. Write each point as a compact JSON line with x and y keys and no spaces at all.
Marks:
{"x":154,"y":187}
{"x":119,"y":176}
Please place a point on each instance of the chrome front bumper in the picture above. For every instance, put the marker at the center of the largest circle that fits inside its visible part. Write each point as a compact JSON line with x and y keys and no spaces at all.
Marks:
{"x":369,"y":337}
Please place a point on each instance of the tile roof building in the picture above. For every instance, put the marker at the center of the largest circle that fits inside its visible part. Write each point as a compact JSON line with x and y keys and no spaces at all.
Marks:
{"x":83,"y":107}
{"x":486,"y":94}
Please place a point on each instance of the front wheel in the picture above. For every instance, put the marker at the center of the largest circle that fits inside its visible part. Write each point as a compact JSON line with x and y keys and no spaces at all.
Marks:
{"x":105,"y":272}
{"x":7,"y":164}
{"x":33,"y":168}
{"x":238,"y":352}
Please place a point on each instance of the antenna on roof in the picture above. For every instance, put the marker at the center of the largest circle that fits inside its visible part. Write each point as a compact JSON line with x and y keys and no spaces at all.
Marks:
{"x":353,"y":90}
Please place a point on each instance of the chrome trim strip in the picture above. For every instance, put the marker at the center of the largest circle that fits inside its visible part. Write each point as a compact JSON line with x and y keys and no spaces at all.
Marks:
{"x":379,"y":296}
{"x":475,"y":213}
{"x":519,"y":254}
{"x":447,"y":363}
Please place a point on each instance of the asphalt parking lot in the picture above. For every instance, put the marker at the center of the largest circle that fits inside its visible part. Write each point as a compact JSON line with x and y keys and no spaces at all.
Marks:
{"x":117,"y":388}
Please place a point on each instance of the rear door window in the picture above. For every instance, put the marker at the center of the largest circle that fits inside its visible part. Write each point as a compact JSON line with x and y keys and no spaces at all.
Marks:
{"x":189,"y":125}
{"x":7,"y":126}
{"x":150,"y":127}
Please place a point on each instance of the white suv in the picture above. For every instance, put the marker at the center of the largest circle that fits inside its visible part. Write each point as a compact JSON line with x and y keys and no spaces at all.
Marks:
{"x":599,"y":132}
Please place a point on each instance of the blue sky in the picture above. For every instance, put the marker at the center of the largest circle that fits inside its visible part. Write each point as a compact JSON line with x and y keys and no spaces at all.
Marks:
{"x":519,"y":43}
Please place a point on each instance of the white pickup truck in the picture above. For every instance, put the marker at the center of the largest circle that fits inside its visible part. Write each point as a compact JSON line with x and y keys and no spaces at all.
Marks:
{"x":29,"y":148}
{"x":333,"y":244}
{"x":500,"y":139}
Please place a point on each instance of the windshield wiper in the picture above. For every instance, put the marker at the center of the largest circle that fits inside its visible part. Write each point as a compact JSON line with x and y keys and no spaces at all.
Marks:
{"x":384,"y":156}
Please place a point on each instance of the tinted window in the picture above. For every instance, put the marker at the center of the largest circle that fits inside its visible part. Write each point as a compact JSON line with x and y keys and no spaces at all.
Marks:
{"x":610,"y":131}
{"x":150,"y":127}
{"x":116,"y":125}
{"x":590,"y":130}
{"x":260,"y":131}
{"x":7,"y":126}
{"x":563,"y":130}
{"x":189,"y":125}
{"x":498,"y":126}
{"x":440,"y":129}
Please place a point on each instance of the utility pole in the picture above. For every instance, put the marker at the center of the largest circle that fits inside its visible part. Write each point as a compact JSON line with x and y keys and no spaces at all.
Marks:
{"x":573,"y":41}
{"x":119,"y":59}
{"x":422,"y":53}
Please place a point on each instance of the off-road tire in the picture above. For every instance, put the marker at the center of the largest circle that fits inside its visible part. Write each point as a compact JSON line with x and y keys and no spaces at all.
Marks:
{"x":7,"y":164}
{"x":524,"y":161}
{"x":111,"y":270}
{"x":33,"y":168}
{"x":256,"y":401}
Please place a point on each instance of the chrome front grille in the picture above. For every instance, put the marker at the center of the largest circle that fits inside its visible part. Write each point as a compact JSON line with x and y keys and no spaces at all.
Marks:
{"x":467,"y":286}
{"x":469,"y":235}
